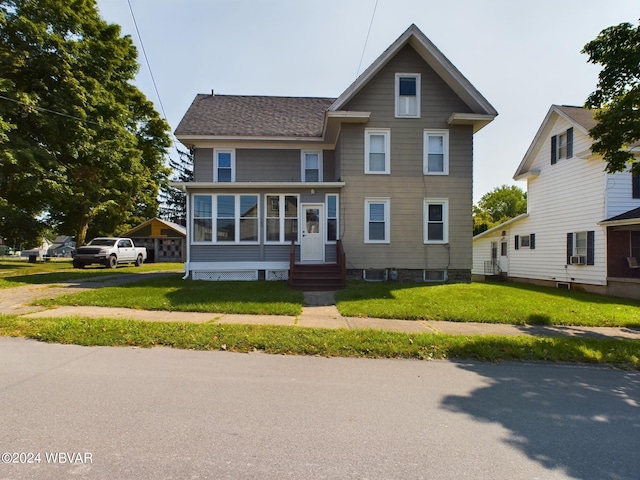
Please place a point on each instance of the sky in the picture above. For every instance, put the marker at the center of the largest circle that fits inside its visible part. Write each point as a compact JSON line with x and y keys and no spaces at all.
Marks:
{"x":523,"y":56}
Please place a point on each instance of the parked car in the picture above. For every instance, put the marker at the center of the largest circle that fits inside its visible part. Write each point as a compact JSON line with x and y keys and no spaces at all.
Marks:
{"x":110,"y":252}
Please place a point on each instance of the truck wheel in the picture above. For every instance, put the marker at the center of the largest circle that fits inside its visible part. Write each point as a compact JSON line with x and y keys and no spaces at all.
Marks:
{"x":139,"y":261}
{"x":112,"y":262}
{"x":77,"y":264}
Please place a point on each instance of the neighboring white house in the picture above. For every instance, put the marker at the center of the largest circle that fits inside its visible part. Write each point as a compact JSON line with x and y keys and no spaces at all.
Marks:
{"x":581,"y":225}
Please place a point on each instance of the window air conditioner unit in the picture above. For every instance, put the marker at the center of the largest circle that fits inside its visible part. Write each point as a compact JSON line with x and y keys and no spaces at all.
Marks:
{"x":578,"y":260}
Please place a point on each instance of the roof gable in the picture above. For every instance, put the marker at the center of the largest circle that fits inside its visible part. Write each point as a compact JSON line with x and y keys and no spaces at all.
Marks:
{"x":580,"y":118}
{"x":435,"y":59}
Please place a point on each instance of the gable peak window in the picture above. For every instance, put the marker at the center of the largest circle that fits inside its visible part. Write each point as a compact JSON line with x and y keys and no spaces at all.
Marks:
{"x":562,"y":146}
{"x":408,"y":95}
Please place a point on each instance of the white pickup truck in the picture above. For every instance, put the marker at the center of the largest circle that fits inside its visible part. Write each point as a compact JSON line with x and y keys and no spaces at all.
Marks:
{"x":109,"y":252}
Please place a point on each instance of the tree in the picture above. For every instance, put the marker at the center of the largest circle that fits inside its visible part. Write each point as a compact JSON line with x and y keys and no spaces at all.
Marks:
{"x":616,"y":100}
{"x":174,"y":201}
{"x":83,"y":144}
{"x":497,"y":206}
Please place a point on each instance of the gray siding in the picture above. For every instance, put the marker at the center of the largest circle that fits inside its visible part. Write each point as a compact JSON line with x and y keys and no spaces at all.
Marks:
{"x":406,"y":186}
{"x":267,"y":165}
{"x":262,"y":165}
{"x":225,"y":253}
{"x":203,"y":165}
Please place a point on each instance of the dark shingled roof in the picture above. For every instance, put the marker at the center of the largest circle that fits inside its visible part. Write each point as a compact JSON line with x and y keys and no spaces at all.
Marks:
{"x":254,"y":116}
{"x":582,"y":116}
{"x":630,"y":215}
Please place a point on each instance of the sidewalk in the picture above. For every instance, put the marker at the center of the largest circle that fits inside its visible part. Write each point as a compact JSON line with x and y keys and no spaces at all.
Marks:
{"x":320,"y":312}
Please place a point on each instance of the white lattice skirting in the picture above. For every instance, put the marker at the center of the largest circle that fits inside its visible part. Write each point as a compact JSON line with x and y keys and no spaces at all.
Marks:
{"x":239,"y":275}
{"x":275,"y":275}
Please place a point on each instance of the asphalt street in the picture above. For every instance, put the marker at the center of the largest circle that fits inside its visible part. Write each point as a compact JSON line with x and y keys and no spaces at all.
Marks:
{"x":97,"y":412}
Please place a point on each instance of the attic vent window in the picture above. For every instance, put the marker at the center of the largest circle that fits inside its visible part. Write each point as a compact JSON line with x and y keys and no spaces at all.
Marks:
{"x":408,"y":95}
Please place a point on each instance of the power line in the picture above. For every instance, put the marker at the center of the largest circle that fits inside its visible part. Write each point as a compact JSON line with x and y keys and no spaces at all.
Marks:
{"x":144,"y":52}
{"x":42,"y":109}
{"x":367,"y":39}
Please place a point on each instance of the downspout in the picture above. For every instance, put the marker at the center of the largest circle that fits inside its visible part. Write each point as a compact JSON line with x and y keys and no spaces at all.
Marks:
{"x":188,"y":237}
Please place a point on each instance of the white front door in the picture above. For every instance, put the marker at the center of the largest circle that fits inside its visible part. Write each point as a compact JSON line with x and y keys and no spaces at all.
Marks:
{"x":312,"y":246}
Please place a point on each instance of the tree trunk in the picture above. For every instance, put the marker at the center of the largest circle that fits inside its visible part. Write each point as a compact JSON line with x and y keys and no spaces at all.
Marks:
{"x":81,"y":232}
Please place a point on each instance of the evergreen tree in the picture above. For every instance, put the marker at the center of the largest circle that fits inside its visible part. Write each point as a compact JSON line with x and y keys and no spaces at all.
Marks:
{"x":174,"y":200}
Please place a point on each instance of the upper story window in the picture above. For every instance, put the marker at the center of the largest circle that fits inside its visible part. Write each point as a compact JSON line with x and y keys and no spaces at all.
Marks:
{"x":408,"y":95}
{"x":311,"y":166}
{"x":377,"y":151}
{"x":224,"y":165}
{"x":635,"y":186}
{"x":562,"y":146}
{"x":436,"y":152}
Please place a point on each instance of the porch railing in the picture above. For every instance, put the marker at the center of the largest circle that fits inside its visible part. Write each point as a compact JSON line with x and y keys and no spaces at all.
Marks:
{"x":292,"y":262}
{"x":342,"y":261}
{"x":491,"y":267}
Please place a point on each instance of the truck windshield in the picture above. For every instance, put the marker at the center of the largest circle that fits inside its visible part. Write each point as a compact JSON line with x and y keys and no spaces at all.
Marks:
{"x":102,"y":242}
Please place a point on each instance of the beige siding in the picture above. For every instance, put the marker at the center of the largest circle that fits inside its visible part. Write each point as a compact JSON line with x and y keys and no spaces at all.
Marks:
{"x":406,"y":186}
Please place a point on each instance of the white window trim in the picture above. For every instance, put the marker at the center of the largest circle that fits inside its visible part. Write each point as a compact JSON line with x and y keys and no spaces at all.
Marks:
{"x":387,"y":219}
{"x":281,"y":218}
{"x":425,"y":159}
{"x":528,"y":240}
{"x":445,"y":220}
{"x":303,"y":157}
{"x":237,"y":218}
{"x":397,"y":94}
{"x":575,"y":243}
{"x":387,"y":149}
{"x":326,"y":202}
{"x":232,"y":151}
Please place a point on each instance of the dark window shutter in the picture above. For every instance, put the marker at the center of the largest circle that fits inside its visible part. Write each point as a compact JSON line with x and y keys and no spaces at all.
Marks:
{"x":554,"y":158}
{"x":532,"y":241}
{"x":570,"y":143}
{"x":517,"y":244}
{"x":569,"y":247}
{"x":591,"y":254}
{"x":635,"y":186}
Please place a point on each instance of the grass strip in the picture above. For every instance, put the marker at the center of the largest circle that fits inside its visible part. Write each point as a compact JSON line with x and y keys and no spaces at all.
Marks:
{"x":322,"y":342}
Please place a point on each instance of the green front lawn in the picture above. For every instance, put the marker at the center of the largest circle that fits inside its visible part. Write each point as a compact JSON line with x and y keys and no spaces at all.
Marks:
{"x":486,"y":302}
{"x":173,"y":293}
{"x":19,"y":272}
{"x":476,"y":302}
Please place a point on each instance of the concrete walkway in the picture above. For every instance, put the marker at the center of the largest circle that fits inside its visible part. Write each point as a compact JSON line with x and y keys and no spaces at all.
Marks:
{"x":319,"y":311}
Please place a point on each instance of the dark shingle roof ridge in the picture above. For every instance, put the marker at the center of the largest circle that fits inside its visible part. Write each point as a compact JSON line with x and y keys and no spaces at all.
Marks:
{"x":302,"y":97}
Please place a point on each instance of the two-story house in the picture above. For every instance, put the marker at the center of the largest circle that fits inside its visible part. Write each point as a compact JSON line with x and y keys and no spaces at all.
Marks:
{"x":380,"y":176}
{"x":582,"y":226}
